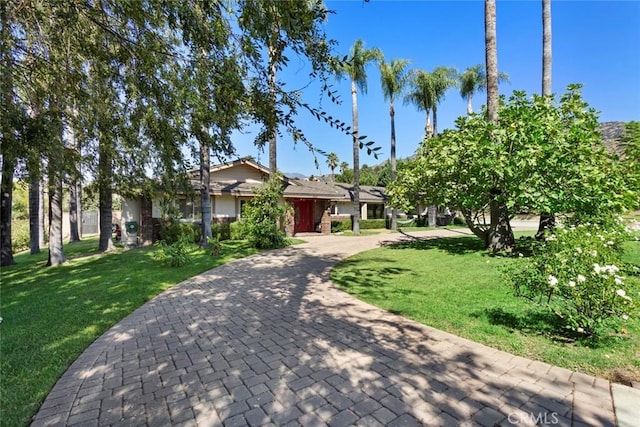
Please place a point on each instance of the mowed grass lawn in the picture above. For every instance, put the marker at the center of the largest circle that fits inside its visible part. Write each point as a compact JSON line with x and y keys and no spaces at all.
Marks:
{"x":51,"y":314}
{"x":452,"y":284}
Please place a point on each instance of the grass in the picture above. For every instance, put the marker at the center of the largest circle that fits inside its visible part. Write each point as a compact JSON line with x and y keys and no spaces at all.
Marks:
{"x":51,"y":314}
{"x":452,"y":284}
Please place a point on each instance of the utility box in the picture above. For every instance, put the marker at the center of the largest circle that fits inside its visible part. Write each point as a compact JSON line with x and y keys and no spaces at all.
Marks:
{"x":131,"y":229}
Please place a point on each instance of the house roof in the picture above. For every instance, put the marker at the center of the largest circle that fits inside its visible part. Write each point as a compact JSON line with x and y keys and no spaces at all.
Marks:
{"x":294,"y":188}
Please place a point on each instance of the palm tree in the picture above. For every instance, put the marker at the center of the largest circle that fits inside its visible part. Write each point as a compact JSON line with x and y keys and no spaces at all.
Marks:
{"x":355,"y":68}
{"x":332,"y":162}
{"x":491,"y":54}
{"x":547,"y":220}
{"x":421,"y":95}
{"x":474,"y":80}
{"x":443,"y":78}
{"x":393,"y":76}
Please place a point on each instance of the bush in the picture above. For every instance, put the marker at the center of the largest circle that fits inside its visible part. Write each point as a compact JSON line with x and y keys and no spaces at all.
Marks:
{"x":368,"y":224}
{"x":263,"y":214}
{"x":459,"y":220}
{"x":222,"y":229}
{"x":237,"y":231}
{"x":175,"y":254}
{"x":577,"y":273}
{"x":172,"y":231}
{"x":339,"y":226}
{"x":20,"y":235}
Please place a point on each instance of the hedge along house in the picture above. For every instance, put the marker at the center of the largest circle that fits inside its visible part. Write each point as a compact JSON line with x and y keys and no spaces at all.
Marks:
{"x":233,"y":184}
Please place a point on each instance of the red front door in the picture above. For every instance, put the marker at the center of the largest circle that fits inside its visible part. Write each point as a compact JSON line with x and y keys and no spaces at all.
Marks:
{"x":303,"y":215}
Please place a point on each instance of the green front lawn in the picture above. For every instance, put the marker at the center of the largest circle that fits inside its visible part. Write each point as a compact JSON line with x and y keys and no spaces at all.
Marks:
{"x":452,"y":284}
{"x":51,"y":314}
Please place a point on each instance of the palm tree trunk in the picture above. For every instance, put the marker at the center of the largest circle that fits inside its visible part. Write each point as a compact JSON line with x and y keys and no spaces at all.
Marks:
{"x":394,"y":211}
{"x":356,"y":159}
{"x":273,"y":160}
{"x":435,"y":120}
{"x":500,"y":236}
{"x":34,"y":214}
{"x":427,"y":126}
{"x":469,"y":106}
{"x":547,"y":220}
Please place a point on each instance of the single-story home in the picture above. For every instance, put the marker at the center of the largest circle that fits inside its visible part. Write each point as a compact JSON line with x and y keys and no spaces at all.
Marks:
{"x":233,"y":184}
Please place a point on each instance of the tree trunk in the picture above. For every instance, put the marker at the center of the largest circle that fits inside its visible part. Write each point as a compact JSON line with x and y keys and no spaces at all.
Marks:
{"x":6,"y":208}
{"x":56,"y":252}
{"x":500,"y":237}
{"x":34,"y":214}
{"x":105,"y":167}
{"x":469,"y":106}
{"x":432,"y":213}
{"x":547,"y":220}
{"x":427,"y":127}
{"x":41,"y":214}
{"x":435,"y":121}
{"x":205,"y":194}
{"x":74,"y":231}
{"x":394,"y":211}
{"x":491,"y":53}
{"x":356,"y":160}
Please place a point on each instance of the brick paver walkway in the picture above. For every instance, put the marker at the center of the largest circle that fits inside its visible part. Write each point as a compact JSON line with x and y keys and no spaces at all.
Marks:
{"x":268,"y":340}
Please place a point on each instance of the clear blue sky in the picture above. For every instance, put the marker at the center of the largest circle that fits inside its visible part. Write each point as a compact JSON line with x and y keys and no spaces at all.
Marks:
{"x":596,"y":43}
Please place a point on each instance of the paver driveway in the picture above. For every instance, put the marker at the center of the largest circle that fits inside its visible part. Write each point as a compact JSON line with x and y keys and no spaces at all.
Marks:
{"x":269,"y":340}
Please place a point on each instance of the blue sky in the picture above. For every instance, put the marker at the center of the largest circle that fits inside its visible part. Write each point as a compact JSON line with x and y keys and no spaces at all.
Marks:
{"x":596,"y":43}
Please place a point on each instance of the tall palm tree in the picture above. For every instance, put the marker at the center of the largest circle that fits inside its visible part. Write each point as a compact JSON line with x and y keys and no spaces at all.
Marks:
{"x":356,"y":68}
{"x":491,"y":58}
{"x":547,"y":220}
{"x":474,"y":80}
{"x":394,"y":77}
{"x":332,"y":162}
{"x":421,"y":95}
{"x":443,"y":78}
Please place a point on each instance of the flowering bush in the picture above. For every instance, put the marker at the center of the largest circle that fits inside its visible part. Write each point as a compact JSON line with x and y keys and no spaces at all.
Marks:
{"x":578,"y":274}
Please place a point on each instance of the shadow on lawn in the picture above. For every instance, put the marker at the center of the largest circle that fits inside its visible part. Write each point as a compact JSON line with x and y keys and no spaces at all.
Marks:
{"x":452,"y":245}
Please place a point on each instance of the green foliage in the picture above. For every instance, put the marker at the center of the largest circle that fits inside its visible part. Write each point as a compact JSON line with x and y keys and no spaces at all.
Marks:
{"x":222,"y":229}
{"x":264,"y":216}
{"x":541,"y":156}
{"x":578,"y":274}
{"x":369,"y":224}
{"x":214,"y":245}
{"x":339,"y":226}
{"x":631,"y":161}
{"x":19,"y":235}
{"x":173,"y":231}
{"x":237,"y":230}
{"x":175,"y":254}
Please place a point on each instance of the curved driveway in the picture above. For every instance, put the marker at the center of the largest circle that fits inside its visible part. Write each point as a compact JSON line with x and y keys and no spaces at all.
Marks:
{"x":268,"y":340}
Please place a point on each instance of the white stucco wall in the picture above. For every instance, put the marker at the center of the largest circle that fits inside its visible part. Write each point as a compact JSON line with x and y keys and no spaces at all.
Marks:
{"x":224,"y":206}
{"x":130,"y":212}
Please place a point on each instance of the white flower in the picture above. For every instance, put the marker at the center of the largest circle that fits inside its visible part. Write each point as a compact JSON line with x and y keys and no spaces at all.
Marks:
{"x":581,"y":278}
{"x":580,"y":330}
{"x":625,"y":317}
{"x":520,"y":254}
{"x":565,"y":231}
{"x":623,"y":294}
{"x":610,"y":243}
{"x":587,"y":234}
{"x":572,"y":283}
{"x":551,"y":238}
{"x":597,"y":268}
{"x":594,"y":253}
{"x":618,"y":280}
{"x":579,"y":250}
{"x":553,"y":280}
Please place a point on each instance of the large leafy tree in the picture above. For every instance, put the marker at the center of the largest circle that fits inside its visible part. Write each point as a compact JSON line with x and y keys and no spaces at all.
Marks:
{"x":394,"y":77}
{"x":355,"y":67}
{"x":540,"y":155}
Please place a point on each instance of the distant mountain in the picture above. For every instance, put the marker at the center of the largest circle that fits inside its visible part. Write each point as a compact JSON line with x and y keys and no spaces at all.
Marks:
{"x":294,"y":175}
{"x":612,"y":133}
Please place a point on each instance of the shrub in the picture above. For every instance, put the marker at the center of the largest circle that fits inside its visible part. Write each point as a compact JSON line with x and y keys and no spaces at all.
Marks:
{"x":459,"y":220}
{"x":263,"y":214}
{"x":578,"y":274}
{"x":172,"y":231}
{"x":237,"y":231}
{"x":20,"y":235}
{"x":339,"y":226}
{"x":368,"y":224}
{"x":222,"y":229}
{"x":175,"y":254}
